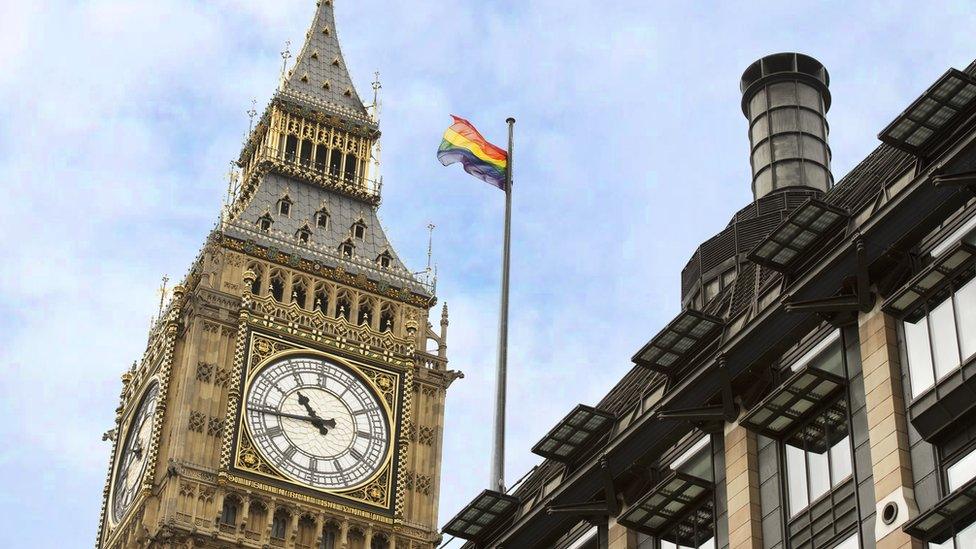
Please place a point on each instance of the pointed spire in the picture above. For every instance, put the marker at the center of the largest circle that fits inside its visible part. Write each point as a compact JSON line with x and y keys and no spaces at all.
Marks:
{"x":319,"y":79}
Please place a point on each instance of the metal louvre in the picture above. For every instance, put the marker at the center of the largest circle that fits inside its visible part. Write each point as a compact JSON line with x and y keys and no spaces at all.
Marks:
{"x":801,"y":401}
{"x":935,"y":111}
{"x":682,"y":338}
{"x":679,"y":509}
{"x":577,"y":430}
{"x":951,"y":514}
{"x":953,"y":263}
{"x":485,"y":512}
{"x":804,"y":228}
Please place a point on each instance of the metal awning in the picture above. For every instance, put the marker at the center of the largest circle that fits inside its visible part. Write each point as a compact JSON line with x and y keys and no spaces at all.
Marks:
{"x":954,"y":262}
{"x":681,"y":339}
{"x":583,"y":426}
{"x":953,"y":513}
{"x":479,"y":517}
{"x":803,"y":410}
{"x":938,"y":110}
{"x":797,"y":234}
{"x":679,"y":509}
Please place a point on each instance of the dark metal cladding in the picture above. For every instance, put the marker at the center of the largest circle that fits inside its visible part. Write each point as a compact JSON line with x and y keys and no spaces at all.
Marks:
{"x":785,"y":97}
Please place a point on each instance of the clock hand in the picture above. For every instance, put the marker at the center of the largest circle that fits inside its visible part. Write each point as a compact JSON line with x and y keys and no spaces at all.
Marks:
{"x":316,"y":420}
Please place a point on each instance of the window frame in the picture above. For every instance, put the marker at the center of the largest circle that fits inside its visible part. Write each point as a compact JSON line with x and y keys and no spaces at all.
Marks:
{"x":924,"y":314}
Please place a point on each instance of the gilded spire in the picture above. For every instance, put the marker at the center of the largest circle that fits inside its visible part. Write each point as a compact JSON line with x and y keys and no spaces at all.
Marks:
{"x":319,"y":79}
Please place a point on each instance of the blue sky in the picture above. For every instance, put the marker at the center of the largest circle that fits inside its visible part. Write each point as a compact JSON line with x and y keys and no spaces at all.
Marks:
{"x":118,"y":119}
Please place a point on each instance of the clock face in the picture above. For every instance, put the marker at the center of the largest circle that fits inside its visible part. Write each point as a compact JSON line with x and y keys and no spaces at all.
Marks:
{"x":317,"y":422}
{"x":133,"y":455}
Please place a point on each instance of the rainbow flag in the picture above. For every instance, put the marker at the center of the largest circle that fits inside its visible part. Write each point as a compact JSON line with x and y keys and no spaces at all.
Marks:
{"x":462,"y":143}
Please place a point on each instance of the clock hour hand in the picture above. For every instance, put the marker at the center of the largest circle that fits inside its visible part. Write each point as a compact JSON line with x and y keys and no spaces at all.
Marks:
{"x":323,"y":424}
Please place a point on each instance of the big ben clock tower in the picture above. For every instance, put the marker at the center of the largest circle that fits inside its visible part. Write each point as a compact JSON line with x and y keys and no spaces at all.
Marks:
{"x":292,"y":392}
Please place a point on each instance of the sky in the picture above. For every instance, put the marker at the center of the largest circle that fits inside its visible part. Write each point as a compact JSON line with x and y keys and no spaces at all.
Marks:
{"x":118,"y":119}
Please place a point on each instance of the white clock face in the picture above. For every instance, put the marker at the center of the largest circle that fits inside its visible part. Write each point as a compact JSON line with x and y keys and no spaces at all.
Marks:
{"x":317,"y":422}
{"x":133,"y":455}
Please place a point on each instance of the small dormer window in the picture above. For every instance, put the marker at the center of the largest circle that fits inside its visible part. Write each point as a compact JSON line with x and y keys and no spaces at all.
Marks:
{"x":347,"y":249}
{"x":264,"y":222}
{"x":304,"y":234}
{"x":322,"y":219}
{"x":284,"y":207}
{"x":359,"y":230}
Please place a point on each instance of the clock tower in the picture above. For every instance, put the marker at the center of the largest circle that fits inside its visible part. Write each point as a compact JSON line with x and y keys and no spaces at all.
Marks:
{"x":291,"y":393}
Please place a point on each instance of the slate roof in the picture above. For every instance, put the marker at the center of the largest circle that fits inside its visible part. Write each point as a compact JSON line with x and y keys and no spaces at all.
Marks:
{"x":319,"y":79}
{"x":323,"y":245}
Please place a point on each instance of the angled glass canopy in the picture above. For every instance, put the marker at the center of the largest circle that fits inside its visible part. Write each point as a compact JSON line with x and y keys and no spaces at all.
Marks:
{"x":953,"y":263}
{"x":798,"y":233}
{"x":938,"y":109}
{"x":480,"y":516}
{"x":679,"y":509}
{"x":583,"y":426}
{"x":804,"y":411}
{"x":681,"y":339}
{"x":953,"y":513}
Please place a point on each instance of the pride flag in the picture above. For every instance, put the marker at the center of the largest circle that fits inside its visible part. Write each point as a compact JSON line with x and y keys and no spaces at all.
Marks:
{"x":462,"y":143}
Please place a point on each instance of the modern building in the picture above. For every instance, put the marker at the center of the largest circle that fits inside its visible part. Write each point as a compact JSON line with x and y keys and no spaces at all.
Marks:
{"x":818,"y":388}
{"x":291,"y":393}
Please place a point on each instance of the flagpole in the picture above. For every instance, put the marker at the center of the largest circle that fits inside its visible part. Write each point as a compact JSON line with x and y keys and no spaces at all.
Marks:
{"x":497,"y":481}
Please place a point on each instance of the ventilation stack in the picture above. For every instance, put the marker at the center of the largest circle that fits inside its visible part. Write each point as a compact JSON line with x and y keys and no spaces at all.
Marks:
{"x":785,"y":97}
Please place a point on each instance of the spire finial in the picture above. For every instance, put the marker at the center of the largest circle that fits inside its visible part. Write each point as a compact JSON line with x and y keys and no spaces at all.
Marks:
{"x":285,"y":56}
{"x":162,"y":295}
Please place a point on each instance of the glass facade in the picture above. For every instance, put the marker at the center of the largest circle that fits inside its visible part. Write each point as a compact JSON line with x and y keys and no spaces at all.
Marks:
{"x":942,"y":339}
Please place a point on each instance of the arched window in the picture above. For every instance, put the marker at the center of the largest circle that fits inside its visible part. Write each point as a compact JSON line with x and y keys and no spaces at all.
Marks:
{"x":284,"y":206}
{"x":305,"y":155}
{"x":304,"y":234}
{"x":343,"y":305}
{"x":387,"y":317}
{"x":321,"y":303}
{"x":264,"y":222}
{"x":350,"y":172}
{"x":322,"y":219}
{"x":291,"y":146}
{"x":347,"y":249}
{"x":228,"y":515}
{"x":321,"y":153}
{"x":365,"y":311}
{"x":279,"y":524}
{"x":257,"y":516}
{"x":299,"y":292}
{"x":278,"y":286}
{"x":330,"y":537}
{"x":258,"y":271}
{"x":358,"y":230}
{"x":335,"y":163}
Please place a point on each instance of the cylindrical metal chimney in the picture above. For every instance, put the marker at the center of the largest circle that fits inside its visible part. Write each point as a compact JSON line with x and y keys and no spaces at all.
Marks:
{"x":785,"y":97}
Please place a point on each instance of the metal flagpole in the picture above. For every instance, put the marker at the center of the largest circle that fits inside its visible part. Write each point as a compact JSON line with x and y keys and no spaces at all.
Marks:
{"x":498,"y":451}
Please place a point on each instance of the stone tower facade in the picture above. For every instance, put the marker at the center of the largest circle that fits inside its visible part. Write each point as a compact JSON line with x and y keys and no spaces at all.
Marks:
{"x":292,"y":392}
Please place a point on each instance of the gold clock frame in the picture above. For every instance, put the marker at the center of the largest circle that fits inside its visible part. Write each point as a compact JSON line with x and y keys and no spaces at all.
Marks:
{"x":379,"y":491}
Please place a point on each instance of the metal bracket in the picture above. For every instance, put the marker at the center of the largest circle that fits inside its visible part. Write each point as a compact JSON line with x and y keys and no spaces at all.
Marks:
{"x":727,"y":411}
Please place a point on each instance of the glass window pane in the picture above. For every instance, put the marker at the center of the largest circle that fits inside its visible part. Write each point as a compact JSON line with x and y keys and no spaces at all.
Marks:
{"x":796,"y":475}
{"x":966,"y":311}
{"x":849,"y":543}
{"x":819,"y":474}
{"x":919,"y":356}
{"x":840,"y":461}
{"x":945,"y":348}
{"x":962,"y":471}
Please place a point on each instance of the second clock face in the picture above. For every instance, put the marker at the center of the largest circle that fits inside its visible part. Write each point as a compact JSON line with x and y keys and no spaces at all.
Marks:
{"x":317,"y":422}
